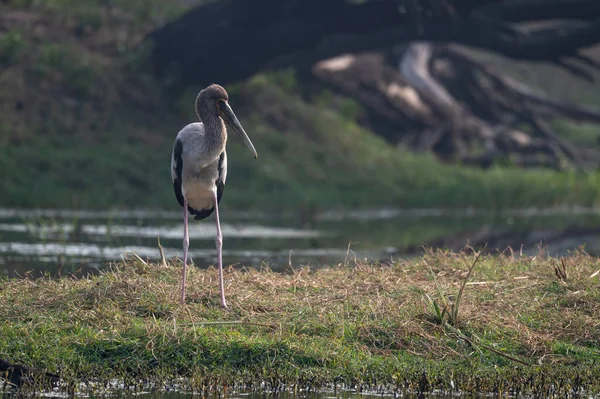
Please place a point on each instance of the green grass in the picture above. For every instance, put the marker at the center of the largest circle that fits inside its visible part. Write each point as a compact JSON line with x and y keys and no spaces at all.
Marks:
{"x":362,"y":325}
{"x":84,"y":175}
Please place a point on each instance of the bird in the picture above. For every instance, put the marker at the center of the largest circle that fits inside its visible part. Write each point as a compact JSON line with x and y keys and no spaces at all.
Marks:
{"x":199,"y":167}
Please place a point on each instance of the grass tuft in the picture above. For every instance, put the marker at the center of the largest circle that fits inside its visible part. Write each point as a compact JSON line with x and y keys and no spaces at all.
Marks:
{"x":448,"y":311}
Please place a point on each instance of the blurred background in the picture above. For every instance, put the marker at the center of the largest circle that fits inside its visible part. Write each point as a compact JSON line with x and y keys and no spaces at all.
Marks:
{"x":382,"y":126}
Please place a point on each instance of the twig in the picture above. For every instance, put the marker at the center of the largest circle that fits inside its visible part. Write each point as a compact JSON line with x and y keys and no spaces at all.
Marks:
{"x":496,"y":351}
{"x":138,"y":258}
{"x":348,"y":252}
{"x":336,"y":299}
{"x":219,"y":323}
{"x":162,"y":253}
{"x":456,"y":306}
{"x":290,"y":263}
{"x":561,"y":271}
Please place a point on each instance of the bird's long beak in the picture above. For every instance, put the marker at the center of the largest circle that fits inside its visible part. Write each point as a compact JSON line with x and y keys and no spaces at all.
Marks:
{"x":232,"y":120}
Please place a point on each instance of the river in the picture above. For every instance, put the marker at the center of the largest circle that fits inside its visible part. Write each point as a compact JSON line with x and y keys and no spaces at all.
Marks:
{"x":34,"y":242}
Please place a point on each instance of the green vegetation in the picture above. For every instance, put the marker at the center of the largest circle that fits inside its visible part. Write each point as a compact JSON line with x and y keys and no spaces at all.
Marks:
{"x":521,"y":328}
{"x":85,"y":126}
{"x":76,"y":73}
{"x":11,"y":47}
{"x":313,"y":159}
{"x":84,"y":174}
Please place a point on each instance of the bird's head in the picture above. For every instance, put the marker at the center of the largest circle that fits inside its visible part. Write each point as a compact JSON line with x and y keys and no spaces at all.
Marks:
{"x":214,"y":100}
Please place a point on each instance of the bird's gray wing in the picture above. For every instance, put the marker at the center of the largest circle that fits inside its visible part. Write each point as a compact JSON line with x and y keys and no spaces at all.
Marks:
{"x":176,"y":169}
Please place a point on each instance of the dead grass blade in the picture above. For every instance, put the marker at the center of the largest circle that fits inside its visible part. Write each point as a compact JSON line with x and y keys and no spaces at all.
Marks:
{"x":225,"y":323}
{"x":456,"y":305}
{"x":163,"y":259}
{"x":460,"y":335}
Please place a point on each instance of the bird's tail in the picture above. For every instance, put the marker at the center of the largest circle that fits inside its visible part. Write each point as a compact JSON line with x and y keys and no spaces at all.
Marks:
{"x":201,"y":214}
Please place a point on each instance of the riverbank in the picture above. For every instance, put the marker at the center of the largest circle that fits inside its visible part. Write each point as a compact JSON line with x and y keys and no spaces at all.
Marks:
{"x":520,"y":326}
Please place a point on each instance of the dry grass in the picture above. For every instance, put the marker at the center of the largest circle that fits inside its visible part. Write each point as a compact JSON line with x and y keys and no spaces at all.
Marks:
{"x":520,"y":328}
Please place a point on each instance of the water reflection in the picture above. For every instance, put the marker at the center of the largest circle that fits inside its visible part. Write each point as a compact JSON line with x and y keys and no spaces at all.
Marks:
{"x":196,"y":231}
{"x":37,"y":241}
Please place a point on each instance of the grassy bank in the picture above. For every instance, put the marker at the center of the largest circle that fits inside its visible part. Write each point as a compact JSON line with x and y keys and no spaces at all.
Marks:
{"x":310,"y":158}
{"x":519,"y":327}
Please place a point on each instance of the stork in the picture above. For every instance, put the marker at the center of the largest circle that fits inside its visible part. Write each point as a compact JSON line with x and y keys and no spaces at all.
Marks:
{"x":199,"y":167}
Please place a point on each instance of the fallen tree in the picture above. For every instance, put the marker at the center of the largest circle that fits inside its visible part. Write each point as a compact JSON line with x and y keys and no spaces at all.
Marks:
{"x":432,"y":95}
{"x":443,"y":99}
{"x":228,"y":40}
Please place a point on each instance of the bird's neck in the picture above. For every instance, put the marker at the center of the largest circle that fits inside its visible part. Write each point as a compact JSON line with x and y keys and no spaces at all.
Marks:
{"x":215,"y":131}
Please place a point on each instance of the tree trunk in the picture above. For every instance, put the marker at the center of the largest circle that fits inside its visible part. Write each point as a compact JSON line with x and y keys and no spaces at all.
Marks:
{"x":229,"y":40}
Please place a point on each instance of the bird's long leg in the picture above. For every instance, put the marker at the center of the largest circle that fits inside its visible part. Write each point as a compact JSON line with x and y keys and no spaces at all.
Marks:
{"x":186,"y":245}
{"x":219,"y":242}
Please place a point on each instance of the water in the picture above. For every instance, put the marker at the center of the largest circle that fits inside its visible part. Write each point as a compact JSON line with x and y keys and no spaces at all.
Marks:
{"x":33,"y":242}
